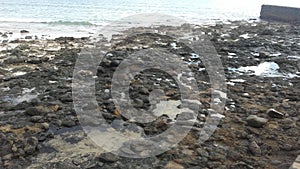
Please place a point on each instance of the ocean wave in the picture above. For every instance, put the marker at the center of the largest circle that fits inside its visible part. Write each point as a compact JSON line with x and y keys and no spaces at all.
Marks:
{"x":60,"y":22}
{"x":68,"y":23}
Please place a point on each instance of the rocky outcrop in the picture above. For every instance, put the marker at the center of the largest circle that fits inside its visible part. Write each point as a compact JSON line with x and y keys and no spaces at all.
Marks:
{"x":39,"y":127}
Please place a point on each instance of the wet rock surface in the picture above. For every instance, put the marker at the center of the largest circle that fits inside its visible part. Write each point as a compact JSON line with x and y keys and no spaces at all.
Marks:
{"x":39,"y":127}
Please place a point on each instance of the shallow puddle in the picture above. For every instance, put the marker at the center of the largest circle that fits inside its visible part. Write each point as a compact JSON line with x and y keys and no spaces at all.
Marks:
{"x":27,"y":95}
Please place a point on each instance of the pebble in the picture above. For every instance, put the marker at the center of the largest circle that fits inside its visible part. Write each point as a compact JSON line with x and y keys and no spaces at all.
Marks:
{"x":254,"y":148}
{"x":38,"y":110}
{"x":273,"y":124}
{"x":144,"y":90}
{"x":7,"y":157}
{"x":255,"y":121}
{"x":4,"y":36}
{"x":138,"y":103}
{"x":108,"y":157}
{"x":31,"y":145}
{"x":14,"y":148}
{"x":45,"y":126}
{"x":28,"y":37}
{"x":24,"y":31}
{"x":275,"y":114}
{"x":68,"y":123}
{"x":34,"y":61}
{"x":173,"y":165}
{"x":35,"y":119}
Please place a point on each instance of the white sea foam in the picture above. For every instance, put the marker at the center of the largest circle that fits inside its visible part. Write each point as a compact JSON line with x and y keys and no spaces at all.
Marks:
{"x":294,"y":57}
{"x":269,"y":69}
{"x":238,"y":80}
{"x":265,"y":69}
{"x":19,"y":73}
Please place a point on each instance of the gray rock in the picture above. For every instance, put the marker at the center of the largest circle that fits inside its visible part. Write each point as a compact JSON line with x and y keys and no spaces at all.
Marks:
{"x":60,"y":165}
{"x":7,"y":157}
{"x":31,"y":145}
{"x":255,"y":121}
{"x":186,"y":116}
{"x":68,"y":123}
{"x":138,"y":103}
{"x":108,"y":157}
{"x":4,"y":35}
{"x":57,"y":122}
{"x":50,"y":134}
{"x":114,"y":63}
{"x":288,"y":123}
{"x":144,"y":90}
{"x":117,"y":124}
{"x":106,"y":62}
{"x":24,"y":31}
{"x":15,"y":59}
{"x":45,"y":126}
{"x":36,"y":119}
{"x":38,"y":110}
{"x":275,"y":114}
{"x":254,"y":148}
{"x":28,"y":37}
{"x":66,"y":98}
{"x":34,"y":61}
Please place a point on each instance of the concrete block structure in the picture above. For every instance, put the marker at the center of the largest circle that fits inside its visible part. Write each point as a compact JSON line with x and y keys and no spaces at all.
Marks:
{"x":280,"y":14}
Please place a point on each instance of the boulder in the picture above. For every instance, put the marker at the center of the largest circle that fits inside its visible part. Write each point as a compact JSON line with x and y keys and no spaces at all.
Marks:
{"x":255,"y":121}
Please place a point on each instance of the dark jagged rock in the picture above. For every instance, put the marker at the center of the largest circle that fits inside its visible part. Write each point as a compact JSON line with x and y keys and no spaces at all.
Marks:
{"x":275,"y":114}
{"x":24,"y":31}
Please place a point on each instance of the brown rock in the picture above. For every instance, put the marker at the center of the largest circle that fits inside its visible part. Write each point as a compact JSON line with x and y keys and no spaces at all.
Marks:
{"x":273,"y":125}
{"x":173,"y":165}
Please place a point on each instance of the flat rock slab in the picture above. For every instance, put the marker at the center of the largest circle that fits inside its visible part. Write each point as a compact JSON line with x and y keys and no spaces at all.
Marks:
{"x":296,"y":164}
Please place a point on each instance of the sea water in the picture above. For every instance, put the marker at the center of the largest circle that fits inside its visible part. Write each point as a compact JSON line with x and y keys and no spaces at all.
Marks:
{"x":83,"y":16}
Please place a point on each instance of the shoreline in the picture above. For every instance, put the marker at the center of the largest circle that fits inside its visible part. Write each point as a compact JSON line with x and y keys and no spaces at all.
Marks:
{"x":43,"y":31}
{"x":11,"y":30}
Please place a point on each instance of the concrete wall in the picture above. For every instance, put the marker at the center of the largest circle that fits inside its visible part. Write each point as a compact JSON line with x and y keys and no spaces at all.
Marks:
{"x":280,"y":13}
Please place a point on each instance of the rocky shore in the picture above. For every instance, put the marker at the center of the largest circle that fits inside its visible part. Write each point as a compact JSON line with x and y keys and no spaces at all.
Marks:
{"x":259,"y":129}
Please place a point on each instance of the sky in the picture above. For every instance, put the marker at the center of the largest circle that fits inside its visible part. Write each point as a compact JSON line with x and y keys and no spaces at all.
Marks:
{"x":253,"y":3}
